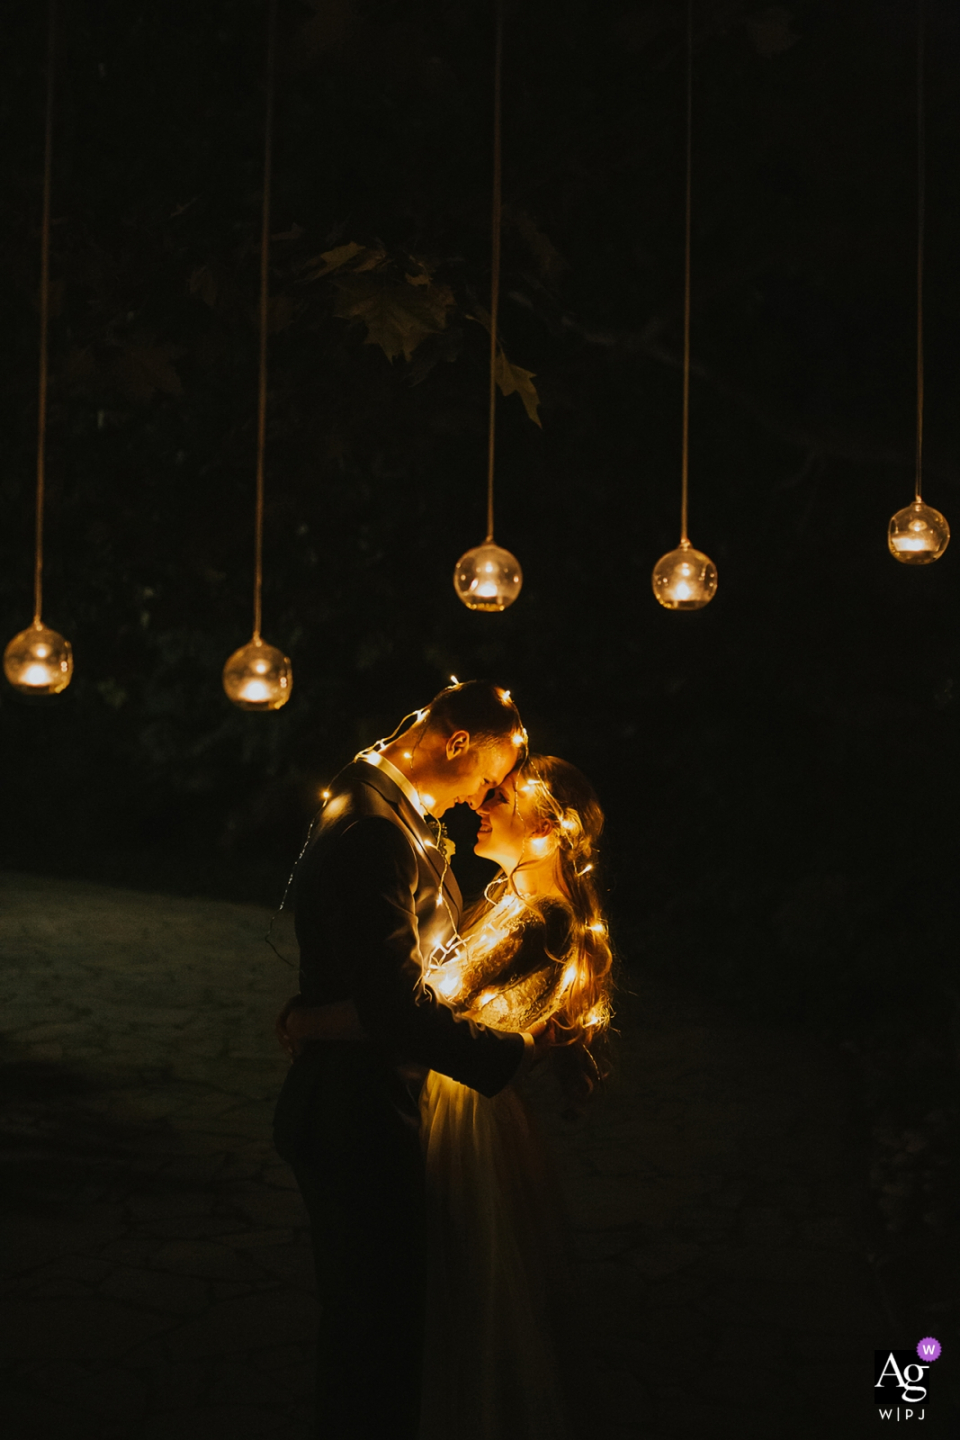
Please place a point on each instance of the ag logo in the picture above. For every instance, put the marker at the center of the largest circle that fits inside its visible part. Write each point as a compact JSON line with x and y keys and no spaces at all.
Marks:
{"x":900,"y":1380}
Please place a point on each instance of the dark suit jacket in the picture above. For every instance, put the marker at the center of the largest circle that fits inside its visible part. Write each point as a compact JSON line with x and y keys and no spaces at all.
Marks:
{"x":369,"y":906}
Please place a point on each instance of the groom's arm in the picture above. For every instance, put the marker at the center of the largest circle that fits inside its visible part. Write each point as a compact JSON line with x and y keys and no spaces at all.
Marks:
{"x":367,"y":886}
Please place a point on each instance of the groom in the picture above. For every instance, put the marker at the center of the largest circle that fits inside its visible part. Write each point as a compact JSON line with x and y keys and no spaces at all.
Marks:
{"x":374,"y":901}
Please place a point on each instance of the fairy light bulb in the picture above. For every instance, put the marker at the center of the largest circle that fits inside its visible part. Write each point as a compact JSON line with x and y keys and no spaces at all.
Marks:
{"x":258,"y":676}
{"x":38,"y":661}
{"x":917,"y":534}
{"x":447,"y":982}
{"x":684,"y":579}
{"x":487,"y":577}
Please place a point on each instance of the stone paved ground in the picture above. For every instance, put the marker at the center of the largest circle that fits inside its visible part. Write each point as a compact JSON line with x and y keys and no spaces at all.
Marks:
{"x":156,"y":1259}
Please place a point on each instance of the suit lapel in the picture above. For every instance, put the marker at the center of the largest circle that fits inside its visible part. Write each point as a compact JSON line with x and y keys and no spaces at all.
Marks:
{"x":418,"y":827}
{"x":426,"y":842}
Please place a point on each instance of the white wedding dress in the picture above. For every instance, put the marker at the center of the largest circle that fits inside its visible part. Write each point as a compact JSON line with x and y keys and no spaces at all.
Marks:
{"x":500,"y":1297}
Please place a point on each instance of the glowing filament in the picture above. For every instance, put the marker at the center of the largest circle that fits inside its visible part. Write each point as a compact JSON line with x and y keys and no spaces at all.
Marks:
{"x":255,"y":691}
{"x":38,"y":675}
{"x":447,"y":983}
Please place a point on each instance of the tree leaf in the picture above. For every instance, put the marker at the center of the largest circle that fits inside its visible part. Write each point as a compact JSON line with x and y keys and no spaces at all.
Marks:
{"x":397,"y":317}
{"x":332,"y":259}
{"x":373,"y":257}
{"x":514,"y":381}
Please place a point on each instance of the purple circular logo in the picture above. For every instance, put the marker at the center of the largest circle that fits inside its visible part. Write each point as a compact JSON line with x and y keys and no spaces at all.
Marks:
{"x":928,"y":1348}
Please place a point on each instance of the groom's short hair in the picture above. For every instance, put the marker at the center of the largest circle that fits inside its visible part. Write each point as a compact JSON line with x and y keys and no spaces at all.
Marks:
{"x":483,"y":709}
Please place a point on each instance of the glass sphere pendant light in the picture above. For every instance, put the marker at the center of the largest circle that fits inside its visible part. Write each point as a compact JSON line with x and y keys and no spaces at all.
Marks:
{"x":918,"y":534}
{"x":39,"y":661}
{"x":258,"y":676}
{"x":488,"y":577}
{"x":685,"y":578}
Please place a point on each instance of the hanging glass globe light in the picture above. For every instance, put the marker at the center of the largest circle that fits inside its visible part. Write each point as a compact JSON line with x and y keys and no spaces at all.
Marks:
{"x":684,"y":579}
{"x":38,"y":661}
{"x":918,"y":534}
{"x":258,"y":676}
{"x":487,"y":577}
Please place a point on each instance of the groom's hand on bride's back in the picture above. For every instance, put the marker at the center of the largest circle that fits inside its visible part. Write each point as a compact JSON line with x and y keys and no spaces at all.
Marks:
{"x":545,"y":1034}
{"x":297,"y":1024}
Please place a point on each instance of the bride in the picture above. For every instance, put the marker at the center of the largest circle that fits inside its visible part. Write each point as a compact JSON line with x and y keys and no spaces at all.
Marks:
{"x":533,"y":951}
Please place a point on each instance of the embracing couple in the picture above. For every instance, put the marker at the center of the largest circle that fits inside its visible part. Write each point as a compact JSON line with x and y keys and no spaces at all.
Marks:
{"x":442,"y":1274}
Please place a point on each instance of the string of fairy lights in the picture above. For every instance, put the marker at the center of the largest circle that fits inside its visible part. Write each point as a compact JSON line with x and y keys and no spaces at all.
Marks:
{"x":258,"y":676}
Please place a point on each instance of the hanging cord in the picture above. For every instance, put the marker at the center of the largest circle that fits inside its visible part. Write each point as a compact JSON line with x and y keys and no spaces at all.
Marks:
{"x":44,"y":318}
{"x":921,"y":223}
{"x":495,"y":261}
{"x":685,"y":449}
{"x":264,"y":313}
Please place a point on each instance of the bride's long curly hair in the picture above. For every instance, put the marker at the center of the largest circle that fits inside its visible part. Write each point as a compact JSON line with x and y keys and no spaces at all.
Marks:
{"x":565,"y":800}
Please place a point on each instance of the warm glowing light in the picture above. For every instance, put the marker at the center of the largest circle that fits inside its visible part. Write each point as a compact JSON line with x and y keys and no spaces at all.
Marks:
{"x":454,"y":680}
{"x":568,"y":824}
{"x":598,"y":927}
{"x":447,"y":982}
{"x":569,"y":975}
{"x":38,"y":661}
{"x":407,"y":755}
{"x":918,"y":534}
{"x":487,"y":578}
{"x":325,"y":794}
{"x":258,"y":676}
{"x":586,"y":870}
{"x":684,"y":579}
{"x":518,"y":739}
{"x":427,"y":801}
{"x":505,"y":695}
{"x":596,"y":1016}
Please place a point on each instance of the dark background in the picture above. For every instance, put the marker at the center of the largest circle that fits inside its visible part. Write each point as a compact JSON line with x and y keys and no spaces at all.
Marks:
{"x":778,"y":770}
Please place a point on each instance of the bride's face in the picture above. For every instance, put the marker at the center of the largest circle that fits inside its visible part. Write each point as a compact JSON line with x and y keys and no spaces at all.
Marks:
{"x":509,"y":826}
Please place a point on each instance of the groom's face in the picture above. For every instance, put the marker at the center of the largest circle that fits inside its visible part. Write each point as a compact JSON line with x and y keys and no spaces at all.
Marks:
{"x":469,"y":774}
